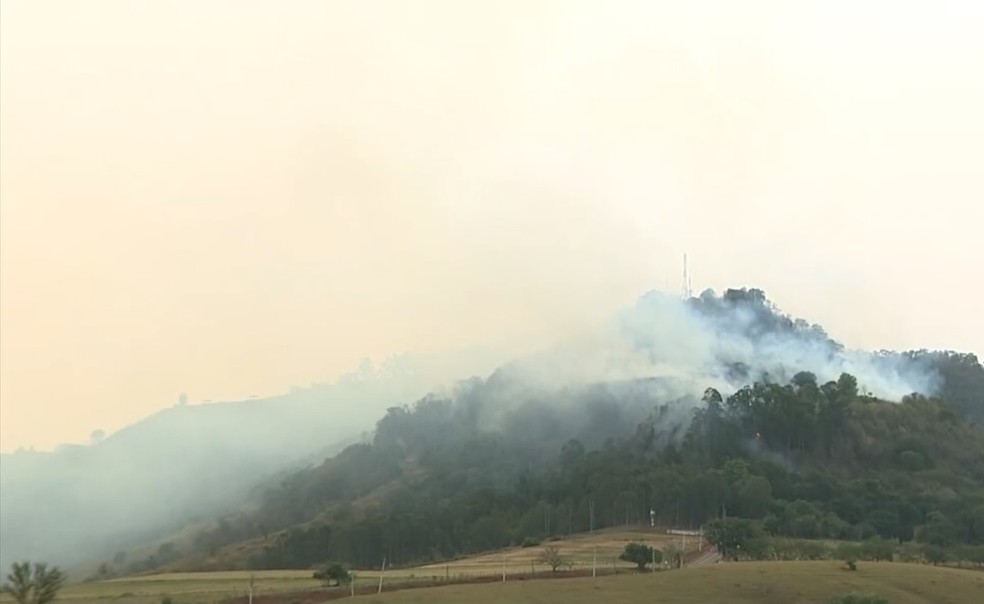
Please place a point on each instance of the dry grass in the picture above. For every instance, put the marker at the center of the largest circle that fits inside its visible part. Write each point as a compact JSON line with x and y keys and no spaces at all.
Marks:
{"x":203,"y":587}
{"x":739,"y":583}
{"x":736,"y":583}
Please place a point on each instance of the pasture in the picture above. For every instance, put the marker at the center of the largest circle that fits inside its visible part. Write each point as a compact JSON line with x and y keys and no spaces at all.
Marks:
{"x":759,"y":582}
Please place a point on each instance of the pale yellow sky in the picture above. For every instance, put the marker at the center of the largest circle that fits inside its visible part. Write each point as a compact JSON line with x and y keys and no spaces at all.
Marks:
{"x":229,"y":197}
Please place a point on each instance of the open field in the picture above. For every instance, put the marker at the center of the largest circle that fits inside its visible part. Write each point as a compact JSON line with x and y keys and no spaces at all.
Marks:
{"x":216,"y":586}
{"x":735,"y":583}
{"x":768,"y":582}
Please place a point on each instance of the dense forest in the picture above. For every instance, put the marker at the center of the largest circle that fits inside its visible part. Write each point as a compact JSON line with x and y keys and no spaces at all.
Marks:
{"x":499,"y":461}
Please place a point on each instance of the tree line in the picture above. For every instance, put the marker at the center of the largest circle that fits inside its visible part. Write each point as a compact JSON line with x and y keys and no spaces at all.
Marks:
{"x":800,"y":460}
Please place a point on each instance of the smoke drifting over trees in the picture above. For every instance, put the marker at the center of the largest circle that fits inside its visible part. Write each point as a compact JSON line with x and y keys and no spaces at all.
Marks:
{"x":643,"y":373}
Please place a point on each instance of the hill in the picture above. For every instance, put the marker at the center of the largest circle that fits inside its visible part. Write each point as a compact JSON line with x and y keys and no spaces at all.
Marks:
{"x":689,"y":412}
{"x":188,"y":463}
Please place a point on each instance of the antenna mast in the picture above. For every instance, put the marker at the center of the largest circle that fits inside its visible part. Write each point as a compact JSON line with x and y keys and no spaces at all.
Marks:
{"x":687,"y":290}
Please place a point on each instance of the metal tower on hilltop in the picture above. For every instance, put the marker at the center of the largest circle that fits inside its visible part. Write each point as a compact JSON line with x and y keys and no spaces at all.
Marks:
{"x":687,"y":290}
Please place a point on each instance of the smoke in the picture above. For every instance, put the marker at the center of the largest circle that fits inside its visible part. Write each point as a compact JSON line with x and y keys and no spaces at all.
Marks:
{"x":650,"y":361}
{"x":724,"y":342}
{"x":192,"y":462}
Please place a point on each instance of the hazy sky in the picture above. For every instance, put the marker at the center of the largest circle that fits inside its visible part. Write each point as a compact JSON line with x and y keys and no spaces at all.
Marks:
{"x":229,"y":198}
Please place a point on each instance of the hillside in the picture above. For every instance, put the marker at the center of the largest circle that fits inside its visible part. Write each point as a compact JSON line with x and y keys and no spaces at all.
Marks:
{"x":189,"y":463}
{"x":717,"y":422}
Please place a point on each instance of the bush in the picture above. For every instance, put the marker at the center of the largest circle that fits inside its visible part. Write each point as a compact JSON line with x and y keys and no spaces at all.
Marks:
{"x":640,"y":554}
{"x":530,"y":542}
{"x":877,"y":549}
{"x":935,"y":554}
{"x":848,"y":551}
{"x":909,"y":552}
{"x":973,"y":554}
{"x":333,"y":574}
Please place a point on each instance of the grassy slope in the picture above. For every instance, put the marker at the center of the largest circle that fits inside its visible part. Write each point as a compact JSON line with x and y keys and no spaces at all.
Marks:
{"x":751,"y":582}
{"x":737,"y":583}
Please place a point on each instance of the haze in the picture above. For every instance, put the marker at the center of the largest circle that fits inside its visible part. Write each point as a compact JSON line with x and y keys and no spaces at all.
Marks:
{"x":231,"y":198}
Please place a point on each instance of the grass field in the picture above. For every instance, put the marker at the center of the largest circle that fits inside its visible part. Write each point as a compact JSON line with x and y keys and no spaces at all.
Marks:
{"x":735,"y":583}
{"x":208,"y":587}
{"x":766,"y":582}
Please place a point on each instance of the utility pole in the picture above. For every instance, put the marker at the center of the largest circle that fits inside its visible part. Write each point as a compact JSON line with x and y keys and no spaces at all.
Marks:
{"x":503,"y":567}
{"x":594,"y":563}
{"x":251,"y":575}
{"x":381,"y":571}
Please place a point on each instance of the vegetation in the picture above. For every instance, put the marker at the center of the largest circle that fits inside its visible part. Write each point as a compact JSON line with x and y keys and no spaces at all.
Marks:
{"x":333,"y":575}
{"x":499,"y":463}
{"x":37,"y":584}
{"x":745,"y":583}
{"x":552,"y":557}
{"x":774,"y":460}
{"x":641,"y":555}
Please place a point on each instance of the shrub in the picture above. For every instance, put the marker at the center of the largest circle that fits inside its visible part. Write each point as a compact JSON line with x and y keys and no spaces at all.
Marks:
{"x":530,"y":542}
{"x":877,"y":549}
{"x":640,"y":554}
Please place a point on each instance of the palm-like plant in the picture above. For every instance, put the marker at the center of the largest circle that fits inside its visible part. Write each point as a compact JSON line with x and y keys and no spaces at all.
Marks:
{"x":37,"y":585}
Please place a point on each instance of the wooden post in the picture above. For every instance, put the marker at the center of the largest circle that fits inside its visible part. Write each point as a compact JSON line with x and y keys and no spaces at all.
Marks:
{"x":381,"y":571}
{"x":594,"y":563}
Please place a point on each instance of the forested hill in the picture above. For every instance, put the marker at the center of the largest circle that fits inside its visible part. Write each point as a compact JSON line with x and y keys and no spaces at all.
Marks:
{"x":526,"y":454}
{"x":805,"y":459}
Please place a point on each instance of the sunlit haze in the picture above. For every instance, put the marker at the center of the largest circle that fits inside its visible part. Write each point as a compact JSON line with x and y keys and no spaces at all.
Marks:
{"x":233,"y":198}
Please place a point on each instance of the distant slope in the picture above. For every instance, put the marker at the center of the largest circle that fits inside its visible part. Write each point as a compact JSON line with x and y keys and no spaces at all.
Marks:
{"x":189,"y":462}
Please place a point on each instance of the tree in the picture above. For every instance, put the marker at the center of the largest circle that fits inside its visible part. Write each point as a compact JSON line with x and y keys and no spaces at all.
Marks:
{"x":754,"y":497}
{"x":641,"y":555}
{"x":551,"y":557}
{"x":731,"y":535}
{"x":333,"y":574}
{"x":37,"y":585}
